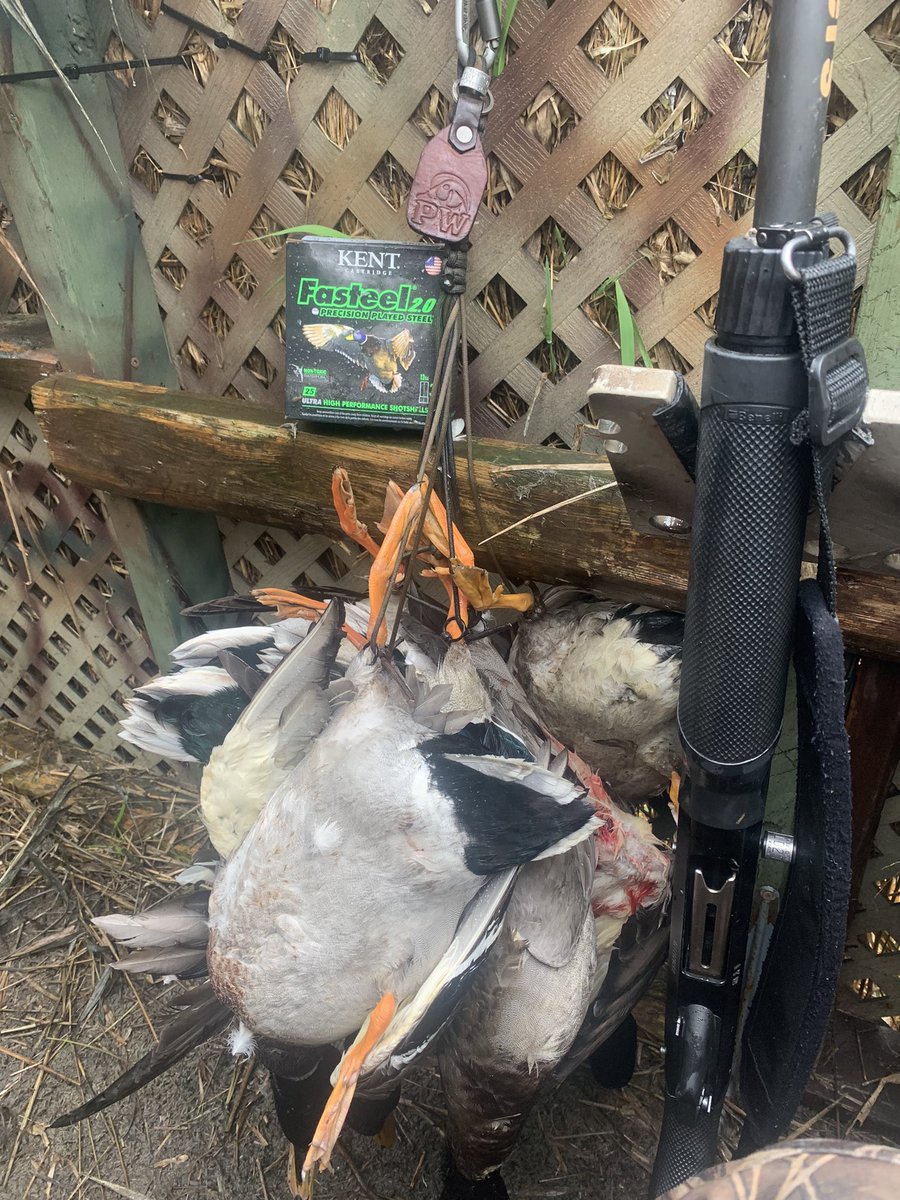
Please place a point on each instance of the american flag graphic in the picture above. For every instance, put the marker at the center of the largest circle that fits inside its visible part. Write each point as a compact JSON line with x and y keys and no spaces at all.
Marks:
{"x":433,"y":265}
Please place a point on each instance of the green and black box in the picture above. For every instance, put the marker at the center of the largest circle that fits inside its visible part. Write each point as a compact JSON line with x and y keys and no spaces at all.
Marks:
{"x":363,"y":325}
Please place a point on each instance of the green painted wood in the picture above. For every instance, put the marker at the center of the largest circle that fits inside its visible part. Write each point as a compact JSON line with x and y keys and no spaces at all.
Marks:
{"x":878,"y":326}
{"x":66,"y":182}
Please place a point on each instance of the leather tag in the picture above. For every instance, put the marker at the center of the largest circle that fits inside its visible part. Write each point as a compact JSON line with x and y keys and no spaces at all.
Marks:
{"x":447,"y":189}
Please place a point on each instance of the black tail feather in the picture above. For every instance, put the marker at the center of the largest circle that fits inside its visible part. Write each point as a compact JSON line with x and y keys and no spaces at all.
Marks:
{"x":203,"y":1016}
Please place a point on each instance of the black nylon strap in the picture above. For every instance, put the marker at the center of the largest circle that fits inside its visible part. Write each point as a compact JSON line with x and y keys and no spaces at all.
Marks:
{"x":822,"y":298}
{"x":822,"y":301}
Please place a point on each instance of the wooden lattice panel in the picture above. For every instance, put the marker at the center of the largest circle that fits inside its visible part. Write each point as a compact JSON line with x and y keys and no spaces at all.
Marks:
{"x":17,"y":294}
{"x":623,"y":141}
{"x":72,"y":644}
{"x":871,"y":980}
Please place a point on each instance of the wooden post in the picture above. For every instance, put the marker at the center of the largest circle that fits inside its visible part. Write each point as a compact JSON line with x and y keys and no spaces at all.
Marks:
{"x":878,"y":326}
{"x":874,"y":710}
{"x":64,"y":177}
{"x":875,"y":702}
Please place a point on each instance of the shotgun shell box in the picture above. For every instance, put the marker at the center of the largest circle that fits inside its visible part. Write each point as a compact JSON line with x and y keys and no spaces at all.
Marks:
{"x":363,"y":325}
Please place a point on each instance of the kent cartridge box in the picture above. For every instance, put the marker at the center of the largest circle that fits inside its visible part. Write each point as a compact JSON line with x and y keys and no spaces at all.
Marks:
{"x":363,"y":325}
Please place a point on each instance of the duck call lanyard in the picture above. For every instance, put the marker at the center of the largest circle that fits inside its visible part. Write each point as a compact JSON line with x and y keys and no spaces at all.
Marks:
{"x":444,"y":198}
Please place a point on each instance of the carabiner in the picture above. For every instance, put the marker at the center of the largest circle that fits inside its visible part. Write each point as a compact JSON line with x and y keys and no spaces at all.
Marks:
{"x":488,"y":23}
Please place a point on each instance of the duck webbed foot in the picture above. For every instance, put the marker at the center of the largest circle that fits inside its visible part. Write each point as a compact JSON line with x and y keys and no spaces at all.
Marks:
{"x":345,"y":507}
{"x":332,"y":1120}
{"x":290,"y":604}
{"x":435,"y":538}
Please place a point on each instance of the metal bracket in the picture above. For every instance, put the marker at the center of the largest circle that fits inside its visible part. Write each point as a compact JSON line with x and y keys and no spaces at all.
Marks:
{"x":658,"y":493}
{"x":656,"y":489}
{"x":864,"y":510}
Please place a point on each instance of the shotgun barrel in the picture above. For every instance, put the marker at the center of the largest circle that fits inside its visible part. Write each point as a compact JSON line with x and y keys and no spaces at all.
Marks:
{"x":751,"y":503}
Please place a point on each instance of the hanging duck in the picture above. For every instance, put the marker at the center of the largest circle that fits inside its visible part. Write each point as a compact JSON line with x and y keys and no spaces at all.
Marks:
{"x":604,"y":680}
{"x":583,"y":936}
{"x":185,"y":714}
{"x":296,"y":947}
{"x":382,"y":359}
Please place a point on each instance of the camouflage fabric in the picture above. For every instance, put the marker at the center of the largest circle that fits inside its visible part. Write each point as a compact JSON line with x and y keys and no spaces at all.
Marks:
{"x":802,"y":1170}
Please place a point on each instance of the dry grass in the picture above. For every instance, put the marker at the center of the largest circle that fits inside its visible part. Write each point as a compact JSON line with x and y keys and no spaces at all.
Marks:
{"x":885,"y":33}
{"x":549,"y":118}
{"x":190,"y":355}
{"x":665,"y":356}
{"x":350,"y":224}
{"x":392,"y":182}
{"x":337,"y":120}
{"x":669,"y":250}
{"x":502,"y":185}
{"x":172,"y":119}
{"x":286,"y":54}
{"x":200,"y":56}
{"x":745,"y":39}
{"x":733,"y":186}
{"x":24,"y":298}
{"x":379,"y":51}
{"x":672,"y":119}
{"x":432,"y":113}
{"x":207,"y":1128}
{"x":241,"y":277}
{"x":613,"y":42}
{"x":249,"y":118}
{"x":170,"y":266}
{"x":147,"y":171}
{"x":221,"y":173}
{"x":260,"y":368}
{"x":865,"y":187}
{"x":610,"y":185}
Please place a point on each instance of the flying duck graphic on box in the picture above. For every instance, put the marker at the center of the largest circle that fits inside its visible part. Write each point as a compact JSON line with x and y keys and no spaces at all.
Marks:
{"x":381,"y":360}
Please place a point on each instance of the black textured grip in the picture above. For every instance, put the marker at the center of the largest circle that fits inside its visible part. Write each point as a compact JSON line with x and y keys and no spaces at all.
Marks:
{"x":685,"y":1148}
{"x":749,"y":514}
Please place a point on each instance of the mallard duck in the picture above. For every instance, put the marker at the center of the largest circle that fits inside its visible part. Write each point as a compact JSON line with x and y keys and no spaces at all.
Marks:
{"x":438,"y":816}
{"x":380,"y":358}
{"x":604,"y":680}
{"x":561,"y":978}
{"x":185,"y":714}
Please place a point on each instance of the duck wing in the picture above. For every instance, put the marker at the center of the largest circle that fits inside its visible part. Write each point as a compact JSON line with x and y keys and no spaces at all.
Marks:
{"x":271,"y":736}
{"x":339,"y":339}
{"x":402,"y":347}
{"x":508,"y":811}
{"x":418,"y":1022}
{"x":183,"y":716}
{"x":635,"y":959}
{"x":522,"y":1012}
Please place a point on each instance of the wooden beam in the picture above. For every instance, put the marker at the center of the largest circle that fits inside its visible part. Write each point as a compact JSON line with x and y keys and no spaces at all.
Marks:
{"x":64,"y":177}
{"x":208,"y":453}
{"x":27,"y":353}
{"x":878,"y":326}
{"x":874,"y":708}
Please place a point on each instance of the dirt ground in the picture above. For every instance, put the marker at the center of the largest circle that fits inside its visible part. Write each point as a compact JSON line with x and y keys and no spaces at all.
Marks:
{"x":80,"y":836}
